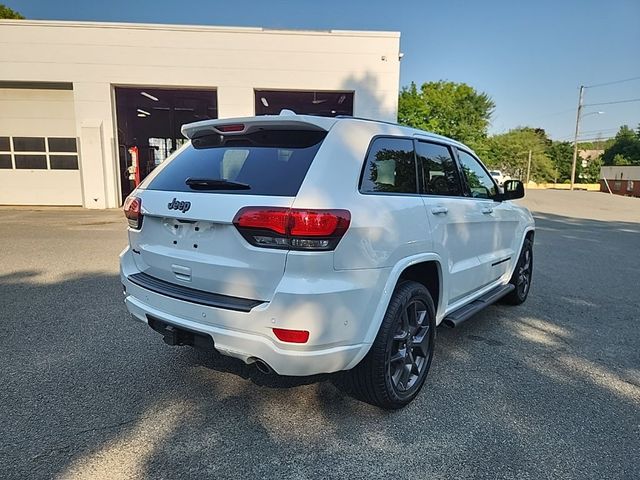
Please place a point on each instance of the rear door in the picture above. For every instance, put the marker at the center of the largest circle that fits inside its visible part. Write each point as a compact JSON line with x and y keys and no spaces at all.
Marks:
{"x":189,"y":204}
{"x":453,"y":218}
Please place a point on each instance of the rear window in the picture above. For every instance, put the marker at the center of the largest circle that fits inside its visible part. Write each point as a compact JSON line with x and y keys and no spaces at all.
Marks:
{"x":270,"y":162}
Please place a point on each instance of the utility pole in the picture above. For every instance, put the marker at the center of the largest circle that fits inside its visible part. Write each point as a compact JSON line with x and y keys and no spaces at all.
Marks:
{"x":528,"y":168}
{"x":575,"y":138}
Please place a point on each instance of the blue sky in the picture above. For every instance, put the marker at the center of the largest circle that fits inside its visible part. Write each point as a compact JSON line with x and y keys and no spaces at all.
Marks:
{"x":530,"y":57}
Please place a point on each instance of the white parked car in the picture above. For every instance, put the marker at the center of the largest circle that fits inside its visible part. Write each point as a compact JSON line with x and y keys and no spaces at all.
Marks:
{"x":499,"y":177}
{"x":311,"y":245}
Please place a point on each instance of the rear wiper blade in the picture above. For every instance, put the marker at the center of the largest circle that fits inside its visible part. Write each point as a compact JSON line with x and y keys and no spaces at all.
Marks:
{"x":215,"y":184}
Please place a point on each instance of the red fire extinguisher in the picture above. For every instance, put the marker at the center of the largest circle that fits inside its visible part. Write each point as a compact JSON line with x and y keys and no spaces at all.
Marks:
{"x":134,"y":169}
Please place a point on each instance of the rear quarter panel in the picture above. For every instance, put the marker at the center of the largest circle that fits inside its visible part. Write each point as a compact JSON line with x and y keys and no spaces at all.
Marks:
{"x":384,"y":228}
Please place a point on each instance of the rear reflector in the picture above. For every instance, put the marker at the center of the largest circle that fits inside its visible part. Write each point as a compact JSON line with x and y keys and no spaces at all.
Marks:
{"x":292,"y":228}
{"x":133,"y":211}
{"x":291,"y":336}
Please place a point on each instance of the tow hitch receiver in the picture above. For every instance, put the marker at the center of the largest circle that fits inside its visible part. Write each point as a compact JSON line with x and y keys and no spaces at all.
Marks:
{"x":173,"y":336}
{"x":178,"y":336}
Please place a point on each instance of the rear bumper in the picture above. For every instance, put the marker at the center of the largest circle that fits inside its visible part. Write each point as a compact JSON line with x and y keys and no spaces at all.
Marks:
{"x":336,"y":311}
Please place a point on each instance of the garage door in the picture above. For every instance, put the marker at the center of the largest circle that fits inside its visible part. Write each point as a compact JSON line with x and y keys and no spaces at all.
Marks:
{"x":39,"y":162}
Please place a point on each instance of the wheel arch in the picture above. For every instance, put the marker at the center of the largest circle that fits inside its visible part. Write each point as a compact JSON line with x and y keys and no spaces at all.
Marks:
{"x":429,"y":274}
{"x":528,"y":234}
{"x":412,"y":265}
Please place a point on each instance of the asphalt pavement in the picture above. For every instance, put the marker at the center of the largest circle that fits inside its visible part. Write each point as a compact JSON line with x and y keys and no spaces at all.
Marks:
{"x":549,"y":389}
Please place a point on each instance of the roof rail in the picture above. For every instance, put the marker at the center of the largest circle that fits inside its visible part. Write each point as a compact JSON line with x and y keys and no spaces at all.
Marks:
{"x":370,"y":120}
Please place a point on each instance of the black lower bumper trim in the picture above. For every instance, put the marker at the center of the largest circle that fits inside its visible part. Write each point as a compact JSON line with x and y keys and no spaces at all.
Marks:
{"x":192,"y":295}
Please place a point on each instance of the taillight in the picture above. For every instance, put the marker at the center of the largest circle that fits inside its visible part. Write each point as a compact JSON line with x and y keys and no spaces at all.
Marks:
{"x":292,"y":228}
{"x":291,"y":336}
{"x":133,"y":211}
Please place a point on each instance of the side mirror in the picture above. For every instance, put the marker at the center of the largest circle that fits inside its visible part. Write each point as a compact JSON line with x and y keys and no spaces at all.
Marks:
{"x":511,"y":190}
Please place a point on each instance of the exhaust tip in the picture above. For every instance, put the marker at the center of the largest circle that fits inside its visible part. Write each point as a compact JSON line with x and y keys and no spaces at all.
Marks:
{"x":263,"y":367}
{"x":449,"y":323}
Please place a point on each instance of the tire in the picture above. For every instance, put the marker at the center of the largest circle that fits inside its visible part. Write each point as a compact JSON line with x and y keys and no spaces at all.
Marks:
{"x":394,"y":370}
{"x":522,"y":275}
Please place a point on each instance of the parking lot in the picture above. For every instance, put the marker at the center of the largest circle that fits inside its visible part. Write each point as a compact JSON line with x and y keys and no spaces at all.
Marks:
{"x":550,"y":389}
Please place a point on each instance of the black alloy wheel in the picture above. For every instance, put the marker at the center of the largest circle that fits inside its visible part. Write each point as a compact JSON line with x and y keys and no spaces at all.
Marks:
{"x":394,"y":370}
{"x":522,"y":275}
{"x":411,"y":347}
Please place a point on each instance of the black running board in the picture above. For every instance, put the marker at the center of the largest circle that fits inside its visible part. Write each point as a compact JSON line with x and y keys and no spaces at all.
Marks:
{"x":455,"y":318}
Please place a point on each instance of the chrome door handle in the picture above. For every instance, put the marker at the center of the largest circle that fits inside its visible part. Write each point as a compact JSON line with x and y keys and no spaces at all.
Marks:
{"x":487,"y":210}
{"x":439,"y":210}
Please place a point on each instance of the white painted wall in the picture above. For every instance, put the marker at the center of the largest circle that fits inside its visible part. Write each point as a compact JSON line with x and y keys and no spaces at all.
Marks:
{"x":235,"y":61}
{"x":38,"y":113}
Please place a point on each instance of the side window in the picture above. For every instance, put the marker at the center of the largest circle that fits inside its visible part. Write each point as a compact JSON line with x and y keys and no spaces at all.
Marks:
{"x":438,"y":170}
{"x":390,"y":167}
{"x":479,"y":181}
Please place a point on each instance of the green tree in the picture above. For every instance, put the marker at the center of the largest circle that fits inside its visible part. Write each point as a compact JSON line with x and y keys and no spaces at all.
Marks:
{"x":509,"y":152}
{"x":621,"y":160}
{"x":6,"y":12}
{"x":625,"y":149}
{"x":447,"y":108}
{"x":561,"y":156}
{"x":590,"y":174}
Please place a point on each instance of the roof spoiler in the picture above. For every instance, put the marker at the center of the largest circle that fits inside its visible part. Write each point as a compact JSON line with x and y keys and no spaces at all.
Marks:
{"x":241,"y":126}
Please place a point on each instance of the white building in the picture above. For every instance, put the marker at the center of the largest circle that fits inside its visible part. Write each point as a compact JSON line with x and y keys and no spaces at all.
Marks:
{"x":75,"y":97}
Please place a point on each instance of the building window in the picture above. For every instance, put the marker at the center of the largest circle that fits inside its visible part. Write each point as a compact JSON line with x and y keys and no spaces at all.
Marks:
{"x":63,"y":162}
{"x":38,"y":153}
{"x":5,"y":153}
{"x":28,"y":144}
{"x":62,"y":145}
{"x":5,"y":160}
{"x":31,"y":162}
{"x":63,"y":153}
{"x":617,"y":184}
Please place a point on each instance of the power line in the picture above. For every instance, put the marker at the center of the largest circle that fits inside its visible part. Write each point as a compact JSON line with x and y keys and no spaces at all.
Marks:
{"x":611,"y":103}
{"x":594,"y":139}
{"x":615,"y":82}
{"x":595,"y":134}
{"x":600,"y":130}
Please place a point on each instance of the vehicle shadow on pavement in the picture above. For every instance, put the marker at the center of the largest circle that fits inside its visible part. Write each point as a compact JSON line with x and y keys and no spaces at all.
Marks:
{"x":547,"y":389}
{"x":213,"y":360}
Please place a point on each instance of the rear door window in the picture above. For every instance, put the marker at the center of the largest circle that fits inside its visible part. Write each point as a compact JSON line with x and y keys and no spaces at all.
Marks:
{"x":390,"y":167}
{"x":270,"y":162}
{"x":438,"y":170}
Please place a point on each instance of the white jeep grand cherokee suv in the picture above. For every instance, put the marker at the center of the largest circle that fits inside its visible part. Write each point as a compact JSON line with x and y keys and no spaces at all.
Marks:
{"x":311,"y":245}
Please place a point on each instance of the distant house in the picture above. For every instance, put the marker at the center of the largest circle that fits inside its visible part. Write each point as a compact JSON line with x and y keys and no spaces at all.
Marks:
{"x":621,"y":180}
{"x":590,"y":154}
